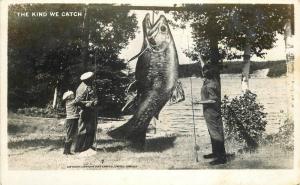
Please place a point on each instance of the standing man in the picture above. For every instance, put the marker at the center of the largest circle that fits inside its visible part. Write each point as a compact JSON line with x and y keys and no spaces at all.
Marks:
{"x":211,"y":100}
{"x":86,"y":99}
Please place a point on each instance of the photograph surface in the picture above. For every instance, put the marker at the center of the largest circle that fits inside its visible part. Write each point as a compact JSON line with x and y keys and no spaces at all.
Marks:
{"x":184,"y":86}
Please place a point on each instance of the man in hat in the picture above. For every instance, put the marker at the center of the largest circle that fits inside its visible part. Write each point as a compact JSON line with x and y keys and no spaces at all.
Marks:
{"x":211,"y":100}
{"x":86,"y":97}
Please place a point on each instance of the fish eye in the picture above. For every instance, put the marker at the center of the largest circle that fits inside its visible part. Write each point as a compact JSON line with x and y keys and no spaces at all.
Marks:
{"x":163,"y":28}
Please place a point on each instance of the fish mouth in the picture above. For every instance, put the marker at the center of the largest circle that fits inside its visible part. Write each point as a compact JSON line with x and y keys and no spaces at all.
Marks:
{"x":157,"y":36}
{"x":146,"y":24}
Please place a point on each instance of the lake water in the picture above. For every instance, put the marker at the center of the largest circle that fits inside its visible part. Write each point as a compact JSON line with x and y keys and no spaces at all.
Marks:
{"x":271,"y":93}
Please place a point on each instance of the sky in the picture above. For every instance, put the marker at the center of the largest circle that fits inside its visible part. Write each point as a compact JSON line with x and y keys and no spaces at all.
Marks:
{"x":183,"y":41}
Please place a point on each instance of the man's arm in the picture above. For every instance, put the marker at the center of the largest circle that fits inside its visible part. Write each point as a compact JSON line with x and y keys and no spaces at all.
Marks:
{"x":80,"y":96}
{"x":212,"y":95}
{"x":93,"y":102}
{"x":205,"y":102}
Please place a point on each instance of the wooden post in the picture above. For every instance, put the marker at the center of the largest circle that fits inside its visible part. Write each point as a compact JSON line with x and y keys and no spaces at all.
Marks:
{"x":290,"y":57}
{"x":85,"y":40}
{"x":152,"y":17}
{"x":289,"y":46}
{"x":54,"y":98}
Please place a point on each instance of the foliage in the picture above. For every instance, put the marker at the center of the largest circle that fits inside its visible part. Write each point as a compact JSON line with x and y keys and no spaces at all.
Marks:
{"x":47,"y":112}
{"x":285,"y":135}
{"x":276,"y":68}
{"x":207,"y":30}
{"x":48,"y":52}
{"x":232,"y":26}
{"x":256,"y":25}
{"x":188,"y":70}
{"x":244,"y":119}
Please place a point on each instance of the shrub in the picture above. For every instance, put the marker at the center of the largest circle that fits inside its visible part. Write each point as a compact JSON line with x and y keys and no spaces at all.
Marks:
{"x":276,"y":68}
{"x":47,"y":112}
{"x":244,"y":119}
{"x":285,"y":135}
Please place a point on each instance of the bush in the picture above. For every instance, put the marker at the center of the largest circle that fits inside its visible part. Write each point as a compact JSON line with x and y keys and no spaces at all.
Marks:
{"x":276,"y":68}
{"x":47,"y":112}
{"x":285,"y":135}
{"x":244,"y":119}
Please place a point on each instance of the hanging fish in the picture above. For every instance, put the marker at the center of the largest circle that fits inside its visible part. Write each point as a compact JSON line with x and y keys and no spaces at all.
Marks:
{"x":156,"y":76}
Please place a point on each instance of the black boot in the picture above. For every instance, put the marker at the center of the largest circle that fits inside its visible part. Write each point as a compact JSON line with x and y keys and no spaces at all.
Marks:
{"x":214,"y":150}
{"x":209,"y":156}
{"x":219,"y":160}
{"x":67,"y":148}
{"x":79,"y":146}
{"x":220,"y":154}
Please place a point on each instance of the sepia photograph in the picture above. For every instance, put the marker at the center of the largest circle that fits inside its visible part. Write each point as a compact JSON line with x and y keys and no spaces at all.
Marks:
{"x":126,"y":86}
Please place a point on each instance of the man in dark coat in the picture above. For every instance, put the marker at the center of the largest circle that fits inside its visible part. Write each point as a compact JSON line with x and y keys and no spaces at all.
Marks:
{"x":86,"y":99}
{"x":211,"y":100}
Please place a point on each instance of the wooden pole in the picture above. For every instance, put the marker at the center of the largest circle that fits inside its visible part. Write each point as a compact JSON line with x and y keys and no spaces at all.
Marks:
{"x":196,"y":147}
{"x":290,"y":57}
{"x":54,"y":97}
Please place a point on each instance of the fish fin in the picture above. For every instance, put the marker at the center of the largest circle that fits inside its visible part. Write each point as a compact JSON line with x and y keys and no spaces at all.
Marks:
{"x":131,"y":106}
{"x":137,"y":55}
{"x":177,"y":94}
{"x":132,"y":87}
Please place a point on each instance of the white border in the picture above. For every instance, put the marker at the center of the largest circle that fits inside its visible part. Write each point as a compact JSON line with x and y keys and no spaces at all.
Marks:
{"x":153,"y":177}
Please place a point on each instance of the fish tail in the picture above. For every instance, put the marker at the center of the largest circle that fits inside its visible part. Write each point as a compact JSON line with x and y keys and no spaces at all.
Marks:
{"x":129,"y":131}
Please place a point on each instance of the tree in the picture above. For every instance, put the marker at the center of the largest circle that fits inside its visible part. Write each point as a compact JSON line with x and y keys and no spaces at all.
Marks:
{"x":48,"y":52}
{"x":251,"y":30}
{"x":208,"y":28}
{"x":39,"y":48}
{"x":229,"y":31}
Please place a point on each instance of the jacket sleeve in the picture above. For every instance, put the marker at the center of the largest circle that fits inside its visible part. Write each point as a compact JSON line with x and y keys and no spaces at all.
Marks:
{"x":80,"y":95}
{"x":91,"y":97}
{"x":94,"y":98}
{"x":212,"y":90}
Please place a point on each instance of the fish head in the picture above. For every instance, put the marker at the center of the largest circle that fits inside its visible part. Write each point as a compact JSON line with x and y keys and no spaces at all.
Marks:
{"x":157,"y":36}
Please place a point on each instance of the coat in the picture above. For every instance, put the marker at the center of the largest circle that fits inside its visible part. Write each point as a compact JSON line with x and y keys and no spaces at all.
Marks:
{"x":211,"y":90}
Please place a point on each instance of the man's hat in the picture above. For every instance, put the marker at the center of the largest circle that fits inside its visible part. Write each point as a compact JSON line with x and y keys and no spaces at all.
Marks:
{"x":86,"y":75}
{"x":67,"y":94}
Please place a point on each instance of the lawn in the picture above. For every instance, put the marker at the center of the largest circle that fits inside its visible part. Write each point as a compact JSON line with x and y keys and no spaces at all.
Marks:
{"x":36,"y":143}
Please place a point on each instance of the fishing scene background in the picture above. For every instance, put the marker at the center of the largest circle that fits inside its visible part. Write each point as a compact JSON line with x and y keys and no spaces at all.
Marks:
{"x":51,"y":45}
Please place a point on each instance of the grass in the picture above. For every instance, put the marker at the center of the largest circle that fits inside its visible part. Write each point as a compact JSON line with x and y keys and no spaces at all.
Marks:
{"x":36,"y":143}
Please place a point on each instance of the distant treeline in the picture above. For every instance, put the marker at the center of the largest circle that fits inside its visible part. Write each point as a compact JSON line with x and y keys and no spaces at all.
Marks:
{"x":187,"y":70}
{"x":276,"y":68}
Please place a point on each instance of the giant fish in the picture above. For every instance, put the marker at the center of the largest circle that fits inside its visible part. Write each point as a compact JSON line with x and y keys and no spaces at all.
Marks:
{"x":156,"y":76}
